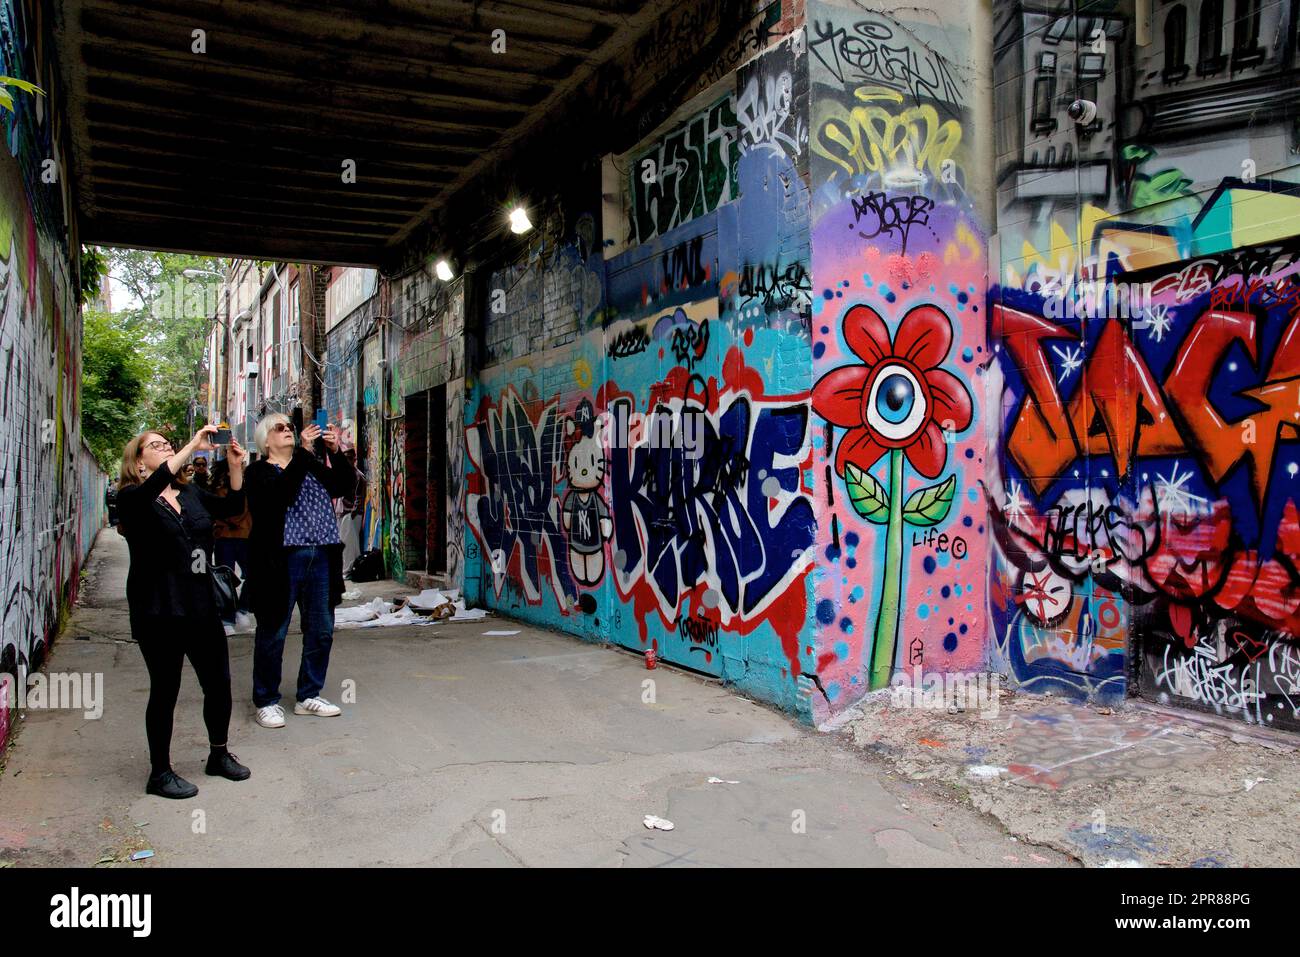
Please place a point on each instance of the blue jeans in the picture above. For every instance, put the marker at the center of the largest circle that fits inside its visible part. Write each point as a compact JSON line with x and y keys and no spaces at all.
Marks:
{"x":309,"y":589}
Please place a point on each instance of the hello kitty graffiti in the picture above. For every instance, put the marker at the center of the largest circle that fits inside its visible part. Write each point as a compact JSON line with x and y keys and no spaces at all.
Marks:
{"x":587,"y":521}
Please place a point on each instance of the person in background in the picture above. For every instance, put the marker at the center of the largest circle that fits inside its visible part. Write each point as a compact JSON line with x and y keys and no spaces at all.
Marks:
{"x":231,"y":536}
{"x":348,"y":511}
{"x":110,"y":501}
{"x":201,"y":476}
{"x":297,"y":558}
{"x":173,"y":614}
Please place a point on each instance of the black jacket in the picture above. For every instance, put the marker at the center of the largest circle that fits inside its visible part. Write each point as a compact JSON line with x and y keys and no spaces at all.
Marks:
{"x":162,"y":579}
{"x":270,"y":493}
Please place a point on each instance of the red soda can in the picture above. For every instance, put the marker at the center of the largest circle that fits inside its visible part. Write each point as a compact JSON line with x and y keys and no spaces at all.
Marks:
{"x":650,"y":659}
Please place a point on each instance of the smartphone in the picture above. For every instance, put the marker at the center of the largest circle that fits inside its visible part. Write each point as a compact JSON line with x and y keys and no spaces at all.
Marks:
{"x":322,"y":419}
{"x":221,"y":437}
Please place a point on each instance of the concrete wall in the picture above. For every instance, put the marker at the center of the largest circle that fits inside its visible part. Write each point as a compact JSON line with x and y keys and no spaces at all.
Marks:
{"x":51,"y":492}
{"x":1142,"y":490}
{"x":899,"y":283}
{"x":720,"y":268}
{"x":687,"y":295}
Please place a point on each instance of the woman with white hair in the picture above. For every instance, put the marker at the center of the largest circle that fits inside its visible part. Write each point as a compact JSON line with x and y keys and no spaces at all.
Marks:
{"x":296,"y":557}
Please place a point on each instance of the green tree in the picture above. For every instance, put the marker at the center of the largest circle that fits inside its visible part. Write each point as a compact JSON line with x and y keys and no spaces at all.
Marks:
{"x":114,"y":374}
{"x":171,"y":315}
{"x":94,"y":269}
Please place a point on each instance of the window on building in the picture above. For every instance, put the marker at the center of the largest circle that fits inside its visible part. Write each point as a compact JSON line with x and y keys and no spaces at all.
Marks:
{"x":1175,"y":44}
{"x":1092,"y":66}
{"x":1210,"y":57}
{"x":1042,"y":120}
{"x":1246,"y":50}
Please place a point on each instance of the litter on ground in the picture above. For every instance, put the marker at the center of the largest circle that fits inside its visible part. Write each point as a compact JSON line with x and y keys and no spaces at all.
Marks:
{"x":427,"y":608}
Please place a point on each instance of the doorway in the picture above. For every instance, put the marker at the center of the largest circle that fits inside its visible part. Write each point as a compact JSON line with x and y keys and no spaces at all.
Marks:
{"x":425,"y":423}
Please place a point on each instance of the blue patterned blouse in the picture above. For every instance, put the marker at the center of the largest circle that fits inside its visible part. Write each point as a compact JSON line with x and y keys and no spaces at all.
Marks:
{"x":310,"y":520}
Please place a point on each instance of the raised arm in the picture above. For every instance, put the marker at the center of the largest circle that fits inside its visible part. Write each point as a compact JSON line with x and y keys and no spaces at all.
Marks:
{"x":134,"y":498}
{"x":233,"y":502}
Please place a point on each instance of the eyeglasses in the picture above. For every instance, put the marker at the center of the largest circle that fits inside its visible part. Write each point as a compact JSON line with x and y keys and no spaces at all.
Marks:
{"x":158,"y":446}
{"x":282,"y":427}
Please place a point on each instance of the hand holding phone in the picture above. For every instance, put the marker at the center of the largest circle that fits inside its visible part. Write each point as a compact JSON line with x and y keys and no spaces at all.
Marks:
{"x":221,"y":437}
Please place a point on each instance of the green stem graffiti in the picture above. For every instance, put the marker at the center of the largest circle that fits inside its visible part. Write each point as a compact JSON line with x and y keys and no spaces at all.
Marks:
{"x":882,"y":652}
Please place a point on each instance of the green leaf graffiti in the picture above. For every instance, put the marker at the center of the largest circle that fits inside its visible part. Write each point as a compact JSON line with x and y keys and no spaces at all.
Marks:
{"x":929,"y":506}
{"x":869,"y":498}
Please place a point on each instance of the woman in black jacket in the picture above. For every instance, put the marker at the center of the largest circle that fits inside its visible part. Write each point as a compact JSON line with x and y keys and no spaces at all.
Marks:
{"x":295,"y":557}
{"x":168,"y":527}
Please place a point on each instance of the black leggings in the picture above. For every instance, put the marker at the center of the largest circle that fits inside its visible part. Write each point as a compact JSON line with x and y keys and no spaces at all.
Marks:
{"x":165,"y":642}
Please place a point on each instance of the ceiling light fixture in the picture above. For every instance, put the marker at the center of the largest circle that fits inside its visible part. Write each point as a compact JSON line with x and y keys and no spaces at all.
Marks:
{"x":519,"y":222}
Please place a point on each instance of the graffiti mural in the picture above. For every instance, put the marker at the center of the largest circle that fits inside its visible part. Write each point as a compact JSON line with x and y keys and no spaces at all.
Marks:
{"x":372,"y":397}
{"x":646,"y":480}
{"x":51,"y":490}
{"x":770,"y":111}
{"x":516,"y":455}
{"x":898,"y":404}
{"x":456,"y":470}
{"x":690,"y":172}
{"x":1146,"y":294}
{"x":1160,"y":480}
{"x":898,"y":342}
{"x":713,"y":507}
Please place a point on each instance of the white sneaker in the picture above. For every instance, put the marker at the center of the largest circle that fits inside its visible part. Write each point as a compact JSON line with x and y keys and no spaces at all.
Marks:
{"x":272,"y":716}
{"x":244,"y":622}
{"x":317,"y":706}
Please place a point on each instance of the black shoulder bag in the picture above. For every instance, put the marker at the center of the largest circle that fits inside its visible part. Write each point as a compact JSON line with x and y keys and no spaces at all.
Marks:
{"x":225,"y":590}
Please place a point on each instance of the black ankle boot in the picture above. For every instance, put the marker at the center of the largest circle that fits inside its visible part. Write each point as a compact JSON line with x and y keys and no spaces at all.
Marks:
{"x":169,"y":784}
{"x":223,"y":764}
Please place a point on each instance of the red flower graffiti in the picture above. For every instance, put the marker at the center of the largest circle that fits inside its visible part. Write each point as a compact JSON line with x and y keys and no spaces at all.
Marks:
{"x":900,"y":398}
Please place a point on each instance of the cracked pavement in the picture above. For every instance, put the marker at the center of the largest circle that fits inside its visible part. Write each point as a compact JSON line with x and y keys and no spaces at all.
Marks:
{"x":465,"y":750}
{"x":1131,"y":786}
